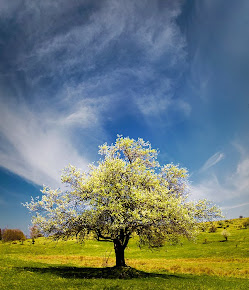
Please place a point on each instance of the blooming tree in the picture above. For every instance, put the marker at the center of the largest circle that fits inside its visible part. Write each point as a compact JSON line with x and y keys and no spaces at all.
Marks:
{"x":127,"y":193}
{"x":225,"y":234}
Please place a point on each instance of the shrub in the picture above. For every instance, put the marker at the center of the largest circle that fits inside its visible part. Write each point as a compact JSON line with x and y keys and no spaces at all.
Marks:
{"x":35,"y":233}
{"x":212,"y":229}
{"x":246,"y":223}
{"x":221,"y":224}
{"x":13,"y":235}
{"x":203,"y":227}
{"x":225,"y":234}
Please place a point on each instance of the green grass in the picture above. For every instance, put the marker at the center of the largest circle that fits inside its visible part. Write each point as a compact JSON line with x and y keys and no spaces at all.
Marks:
{"x":210,"y":263}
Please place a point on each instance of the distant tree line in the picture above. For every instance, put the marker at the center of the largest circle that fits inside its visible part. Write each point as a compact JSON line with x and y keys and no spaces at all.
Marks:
{"x":10,"y":235}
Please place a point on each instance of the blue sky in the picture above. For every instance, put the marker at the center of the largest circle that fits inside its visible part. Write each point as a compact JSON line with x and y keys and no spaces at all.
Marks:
{"x":74,"y":74}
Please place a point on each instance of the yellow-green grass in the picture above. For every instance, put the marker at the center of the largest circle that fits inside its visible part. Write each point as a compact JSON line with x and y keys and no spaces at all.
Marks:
{"x":209,"y":263}
{"x":210,"y":266}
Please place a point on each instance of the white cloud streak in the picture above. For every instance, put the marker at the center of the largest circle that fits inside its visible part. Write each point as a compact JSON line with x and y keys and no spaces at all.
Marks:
{"x":152,"y":32}
{"x":235,"y":206}
{"x":83,"y":54}
{"x":37,"y":146}
{"x":214,"y":159}
{"x":234,"y":187}
{"x":137,"y":28}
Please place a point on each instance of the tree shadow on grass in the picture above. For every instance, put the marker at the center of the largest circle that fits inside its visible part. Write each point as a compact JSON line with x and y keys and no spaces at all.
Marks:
{"x":98,"y":273}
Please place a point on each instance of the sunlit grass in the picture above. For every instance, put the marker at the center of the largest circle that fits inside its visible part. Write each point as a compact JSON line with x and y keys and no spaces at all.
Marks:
{"x":210,"y":263}
{"x":211,"y":266}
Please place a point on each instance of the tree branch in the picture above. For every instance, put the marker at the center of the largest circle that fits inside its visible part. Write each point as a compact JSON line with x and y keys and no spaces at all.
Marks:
{"x":127,"y":238}
{"x":104,"y":239}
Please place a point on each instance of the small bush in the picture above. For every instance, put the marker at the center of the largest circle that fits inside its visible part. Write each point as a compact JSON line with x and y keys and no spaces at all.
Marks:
{"x":35,"y":233}
{"x":10,"y":235}
{"x":225,"y":234}
{"x":212,"y":229}
{"x":220,"y":224}
{"x":246,"y":223}
{"x":203,"y":227}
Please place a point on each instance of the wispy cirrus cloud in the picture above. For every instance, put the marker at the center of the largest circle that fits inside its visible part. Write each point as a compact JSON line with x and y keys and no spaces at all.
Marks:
{"x":214,"y":159}
{"x":38,"y":145}
{"x":235,"y":206}
{"x":147,"y":29}
{"x":70,"y":67}
{"x":230,"y":191}
{"x":214,"y":188}
{"x":125,"y":41}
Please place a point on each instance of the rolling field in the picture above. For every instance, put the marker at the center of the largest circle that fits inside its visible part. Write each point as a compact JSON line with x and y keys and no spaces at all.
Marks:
{"x":210,"y":263}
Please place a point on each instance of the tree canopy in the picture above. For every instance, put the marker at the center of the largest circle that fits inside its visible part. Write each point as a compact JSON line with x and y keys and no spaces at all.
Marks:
{"x":127,"y":193}
{"x":13,"y":235}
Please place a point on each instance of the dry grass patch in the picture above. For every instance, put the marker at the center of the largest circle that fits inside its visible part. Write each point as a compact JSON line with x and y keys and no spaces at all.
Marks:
{"x":238,"y":267}
{"x":209,"y":266}
{"x":73,"y":260}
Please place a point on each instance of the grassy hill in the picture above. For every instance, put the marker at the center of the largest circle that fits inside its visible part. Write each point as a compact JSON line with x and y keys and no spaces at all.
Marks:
{"x":209,"y":263}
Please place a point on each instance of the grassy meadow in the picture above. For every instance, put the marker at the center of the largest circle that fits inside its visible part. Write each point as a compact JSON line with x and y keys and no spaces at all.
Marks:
{"x":209,"y":263}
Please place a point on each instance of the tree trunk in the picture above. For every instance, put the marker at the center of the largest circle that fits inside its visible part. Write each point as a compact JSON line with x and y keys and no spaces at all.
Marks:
{"x":119,"y":252}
